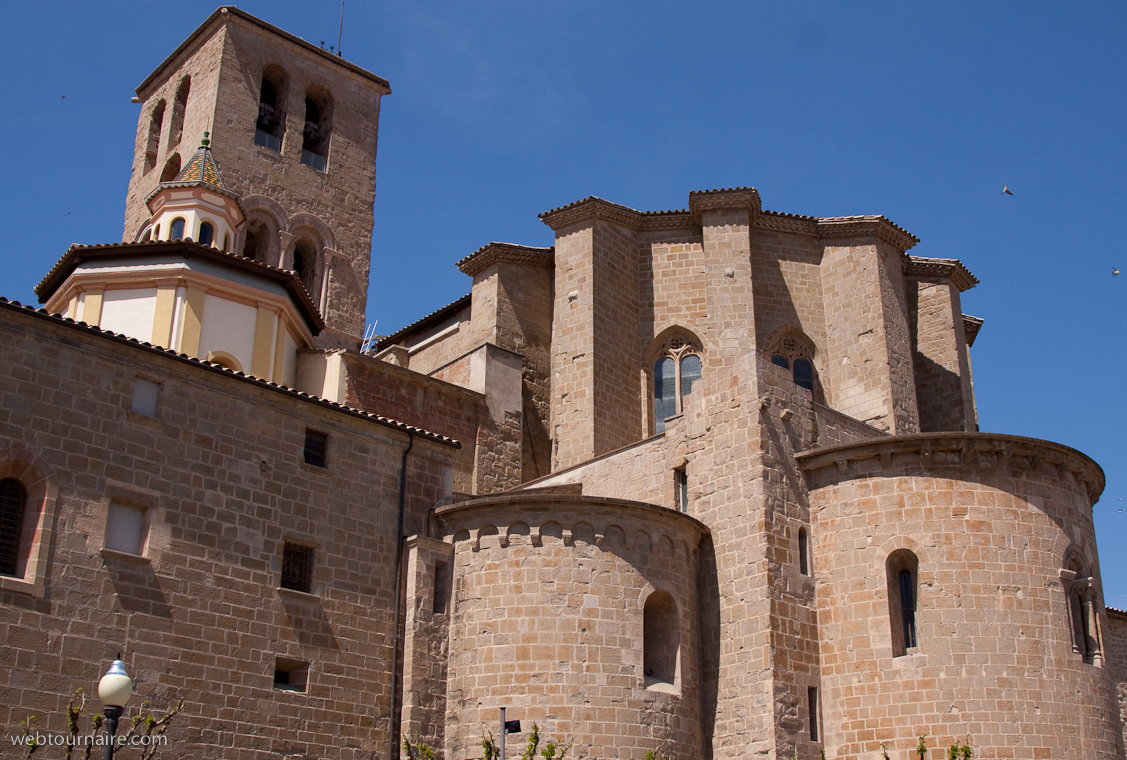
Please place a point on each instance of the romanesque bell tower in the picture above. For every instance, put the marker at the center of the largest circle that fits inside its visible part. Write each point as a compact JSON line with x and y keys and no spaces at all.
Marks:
{"x":294,"y":129}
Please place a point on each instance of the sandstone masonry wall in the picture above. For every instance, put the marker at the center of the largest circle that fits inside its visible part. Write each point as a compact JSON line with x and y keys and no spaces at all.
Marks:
{"x":220,"y":474}
{"x":994,"y":657}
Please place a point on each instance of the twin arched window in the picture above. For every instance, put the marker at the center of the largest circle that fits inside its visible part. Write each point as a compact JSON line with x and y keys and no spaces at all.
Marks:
{"x":676,"y":371}
{"x":793,"y":352}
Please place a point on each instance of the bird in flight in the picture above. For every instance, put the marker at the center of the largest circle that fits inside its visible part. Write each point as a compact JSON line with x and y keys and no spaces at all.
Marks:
{"x":1114,"y":272}
{"x":64,"y":97}
{"x":1006,"y":190}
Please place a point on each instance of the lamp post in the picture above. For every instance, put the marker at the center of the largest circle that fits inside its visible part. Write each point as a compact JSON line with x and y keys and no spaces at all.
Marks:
{"x":114,"y":690}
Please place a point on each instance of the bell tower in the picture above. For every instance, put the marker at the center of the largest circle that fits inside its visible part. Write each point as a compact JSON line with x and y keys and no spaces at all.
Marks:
{"x":293,"y":128}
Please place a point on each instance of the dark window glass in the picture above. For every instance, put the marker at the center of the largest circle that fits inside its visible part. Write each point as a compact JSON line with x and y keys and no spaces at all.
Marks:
{"x":812,"y":703}
{"x":316,"y":448}
{"x":207,"y":233}
{"x":13,"y":503}
{"x":665,"y":392}
{"x":803,"y":374}
{"x":441,"y":587}
{"x":908,"y":607}
{"x":780,"y":361}
{"x":177,"y":232}
{"x":297,"y":567}
{"x":681,"y":481}
{"x":690,"y":373}
{"x":803,"y":552}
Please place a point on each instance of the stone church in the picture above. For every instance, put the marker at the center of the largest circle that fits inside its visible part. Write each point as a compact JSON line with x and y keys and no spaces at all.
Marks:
{"x":705,"y":482}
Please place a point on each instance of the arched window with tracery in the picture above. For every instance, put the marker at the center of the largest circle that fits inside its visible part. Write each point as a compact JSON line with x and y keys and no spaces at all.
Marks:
{"x":677,"y":371}
{"x":902,"y":570}
{"x":793,"y":351}
{"x":1083,"y":610}
{"x":13,"y":504}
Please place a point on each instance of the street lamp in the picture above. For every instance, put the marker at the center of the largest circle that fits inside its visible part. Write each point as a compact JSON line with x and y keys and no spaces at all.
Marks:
{"x":114,"y":690}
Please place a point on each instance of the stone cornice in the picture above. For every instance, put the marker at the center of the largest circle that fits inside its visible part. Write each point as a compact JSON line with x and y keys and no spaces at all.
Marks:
{"x":727,"y":198}
{"x":971,"y":326}
{"x":676,"y":219}
{"x":964,"y":451}
{"x":430,"y":319}
{"x":96,"y":333}
{"x":792,"y":223}
{"x":592,"y":207}
{"x":506,"y":253}
{"x":879,"y":227}
{"x":77,"y":254}
{"x":948,"y":269}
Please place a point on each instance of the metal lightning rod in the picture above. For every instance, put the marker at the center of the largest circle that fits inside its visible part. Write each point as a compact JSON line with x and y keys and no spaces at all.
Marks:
{"x":341,"y":30}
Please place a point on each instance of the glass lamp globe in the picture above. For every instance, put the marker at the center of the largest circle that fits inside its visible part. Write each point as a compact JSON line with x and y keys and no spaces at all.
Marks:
{"x":115,"y":688}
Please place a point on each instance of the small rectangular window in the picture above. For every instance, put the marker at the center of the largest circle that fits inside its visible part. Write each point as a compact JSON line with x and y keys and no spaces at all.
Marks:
{"x":297,"y":567}
{"x":125,"y":529}
{"x":681,"y":488}
{"x":291,"y":675}
{"x":812,"y":702}
{"x":441,"y":587}
{"x":316,"y":448}
{"x":145,"y":395}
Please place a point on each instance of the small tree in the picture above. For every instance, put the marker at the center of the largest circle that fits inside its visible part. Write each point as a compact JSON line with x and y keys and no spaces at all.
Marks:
{"x":921,"y":748}
{"x":489,"y":747}
{"x":883,"y":752}
{"x":143,"y":724}
{"x":415,"y":750}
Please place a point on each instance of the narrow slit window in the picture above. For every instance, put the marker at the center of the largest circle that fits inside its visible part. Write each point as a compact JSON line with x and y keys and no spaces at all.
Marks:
{"x":902,"y":572}
{"x":803,"y":552}
{"x":681,"y":488}
{"x":441,"y":587}
{"x":690,"y":373}
{"x":665,"y":391}
{"x":13,"y":504}
{"x":812,"y":705}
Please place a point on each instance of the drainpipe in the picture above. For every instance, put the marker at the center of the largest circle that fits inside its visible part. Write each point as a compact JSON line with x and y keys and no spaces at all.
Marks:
{"x":392,"y":738}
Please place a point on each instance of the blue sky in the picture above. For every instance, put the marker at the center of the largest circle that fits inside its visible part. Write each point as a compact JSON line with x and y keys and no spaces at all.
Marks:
{"x":502,"y":110}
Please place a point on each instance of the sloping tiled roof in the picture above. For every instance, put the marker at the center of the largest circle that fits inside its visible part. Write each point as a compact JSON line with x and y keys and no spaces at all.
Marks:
{"x":429,"y":319}
{"x":77,"y":254}
{"x":201,"y":167}
{"x":220,"y":369}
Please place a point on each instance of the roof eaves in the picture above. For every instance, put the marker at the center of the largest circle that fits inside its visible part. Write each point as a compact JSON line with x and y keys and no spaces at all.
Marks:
{"x":220,"y":369}
{"x":434,"y":316}
{"x":230,"y":10}
{"x":77,"y":253}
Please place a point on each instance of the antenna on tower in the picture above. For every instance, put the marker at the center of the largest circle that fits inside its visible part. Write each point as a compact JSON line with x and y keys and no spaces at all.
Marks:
{"x":340,"y":31}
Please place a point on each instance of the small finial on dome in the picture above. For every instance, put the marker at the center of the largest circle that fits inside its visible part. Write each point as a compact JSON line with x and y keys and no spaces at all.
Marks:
{"x":205,"y":142}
